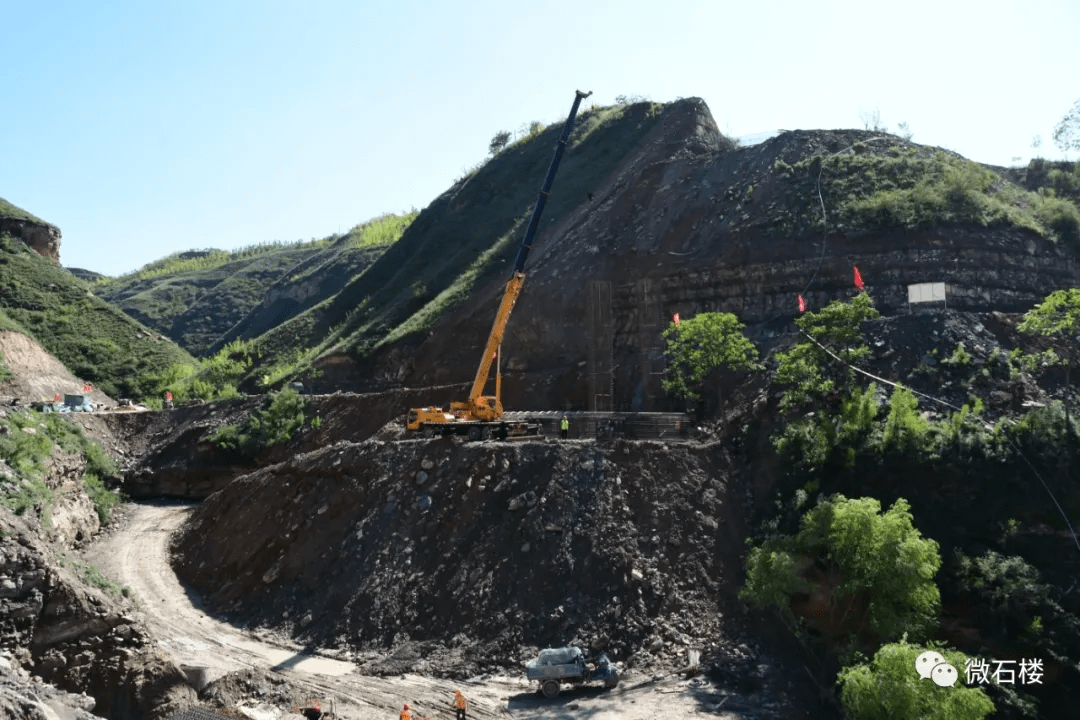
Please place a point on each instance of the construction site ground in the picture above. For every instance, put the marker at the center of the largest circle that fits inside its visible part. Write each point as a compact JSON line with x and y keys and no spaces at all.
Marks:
{"x":263,"y":674}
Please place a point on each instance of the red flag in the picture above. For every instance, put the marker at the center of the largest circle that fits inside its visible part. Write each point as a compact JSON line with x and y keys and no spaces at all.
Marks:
{"x":858,"y":278}
{"x":802,"y":304}
{"x":676,"y":318}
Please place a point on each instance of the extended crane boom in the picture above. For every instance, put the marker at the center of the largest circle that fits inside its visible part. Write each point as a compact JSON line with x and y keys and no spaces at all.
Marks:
{"x":477,"y":414}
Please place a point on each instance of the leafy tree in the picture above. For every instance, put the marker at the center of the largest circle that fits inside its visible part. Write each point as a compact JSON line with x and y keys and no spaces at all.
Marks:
{"x":1067,"y":132}
{"x":1058,"y":317}
{"x":813,"y":440}
{"x":890,"y":687}
{"x":806,"y":367}
{"x":904,"y":427}
{"x":501,"y":140}
{"x":880,"y":567}
{"x":702,"y":343}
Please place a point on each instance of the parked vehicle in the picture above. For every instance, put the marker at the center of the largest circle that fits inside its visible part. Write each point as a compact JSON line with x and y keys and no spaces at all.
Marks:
{"x":556,"y":666}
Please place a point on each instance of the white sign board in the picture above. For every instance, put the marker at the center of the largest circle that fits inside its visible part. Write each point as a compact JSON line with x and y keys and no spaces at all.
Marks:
{"x":926,"y":292}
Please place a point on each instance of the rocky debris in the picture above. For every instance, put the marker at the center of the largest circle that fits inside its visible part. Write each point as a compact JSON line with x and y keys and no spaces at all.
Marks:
{"x":448,"y":580}
{"x":73,"y":519}
{"x":76,"y":636}
{"x":24,"y":698}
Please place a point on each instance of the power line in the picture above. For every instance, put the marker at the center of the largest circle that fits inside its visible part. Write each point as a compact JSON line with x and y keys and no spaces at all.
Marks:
{"x":986,"y":426}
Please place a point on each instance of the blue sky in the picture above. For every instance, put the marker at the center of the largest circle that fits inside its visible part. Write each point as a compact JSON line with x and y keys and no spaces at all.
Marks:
{"x":142,"y":129}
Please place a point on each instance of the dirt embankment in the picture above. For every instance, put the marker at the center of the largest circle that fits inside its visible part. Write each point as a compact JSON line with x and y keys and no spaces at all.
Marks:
{"x":175,"y":460}
{"x":75,"y":636}
{"x":462,"y":558}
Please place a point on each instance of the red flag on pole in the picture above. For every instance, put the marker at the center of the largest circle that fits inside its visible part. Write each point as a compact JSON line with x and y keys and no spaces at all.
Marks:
{"x":676,"y":318}
{"x":802,"y":304}
{"x":858,"y":278}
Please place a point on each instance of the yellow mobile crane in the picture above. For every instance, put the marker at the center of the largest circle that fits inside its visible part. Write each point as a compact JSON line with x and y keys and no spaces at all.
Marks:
{"x":481,"y":415}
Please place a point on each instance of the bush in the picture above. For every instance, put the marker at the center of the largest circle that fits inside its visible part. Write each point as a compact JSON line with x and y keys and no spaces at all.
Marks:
{"x":890,"y":687}
{"x":265,"y":428}
{"x":809,"y":370}
{"x":700,"y":344}
{"x":882,"y":567}
{"x":905,"y":429}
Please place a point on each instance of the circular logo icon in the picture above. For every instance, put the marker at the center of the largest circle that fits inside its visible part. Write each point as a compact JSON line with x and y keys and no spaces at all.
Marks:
{"x":924,"y":664}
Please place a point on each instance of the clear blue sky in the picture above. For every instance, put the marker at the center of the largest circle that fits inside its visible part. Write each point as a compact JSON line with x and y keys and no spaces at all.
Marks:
{"x":145,"y":128}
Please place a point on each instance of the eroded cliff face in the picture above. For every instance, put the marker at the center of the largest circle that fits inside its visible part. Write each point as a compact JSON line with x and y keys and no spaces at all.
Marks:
{"x":689,"y":224}
{"x":42,"y":238}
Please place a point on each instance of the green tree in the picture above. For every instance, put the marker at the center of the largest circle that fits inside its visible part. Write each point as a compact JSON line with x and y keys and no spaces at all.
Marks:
{"x":806,"y":367}
{"x":904,"y":428}
{"x":879,"y":570}
{"x":1058,"y":317}
{"x":701,"y":344}
{"x":890,"y":687}
{"x":498,"y":142}
{"x":1067,"y":132}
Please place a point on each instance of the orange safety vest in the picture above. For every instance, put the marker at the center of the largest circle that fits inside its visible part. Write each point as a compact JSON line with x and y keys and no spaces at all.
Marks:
{"x":460,"y":702}
{"x":406,"y":715}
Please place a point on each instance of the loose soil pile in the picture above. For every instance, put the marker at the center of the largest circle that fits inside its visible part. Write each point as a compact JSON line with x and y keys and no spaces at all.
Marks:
{"x":451,"y":559}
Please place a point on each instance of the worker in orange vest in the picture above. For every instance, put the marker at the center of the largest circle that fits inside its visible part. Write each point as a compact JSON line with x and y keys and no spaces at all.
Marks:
{"x":406,"y":714}
{"x":460,"y":705}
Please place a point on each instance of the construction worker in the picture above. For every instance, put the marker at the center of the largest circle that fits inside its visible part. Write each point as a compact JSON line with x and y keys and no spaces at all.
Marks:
{"x":406,"y":714}
{"x":460,"y":705}
{"x":564,"y":427}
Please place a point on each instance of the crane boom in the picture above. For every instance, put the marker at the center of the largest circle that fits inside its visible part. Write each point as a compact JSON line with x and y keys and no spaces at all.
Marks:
{"x":517,"y":279}
{"x":480,"y":408}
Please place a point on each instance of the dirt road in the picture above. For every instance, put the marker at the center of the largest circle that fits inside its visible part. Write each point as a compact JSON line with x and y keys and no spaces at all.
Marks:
{"x":136,"y":556}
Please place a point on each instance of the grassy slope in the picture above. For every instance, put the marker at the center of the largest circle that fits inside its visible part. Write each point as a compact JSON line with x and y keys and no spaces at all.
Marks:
{"x":196,"y":305}
{"x":464,"y":238}
{"x":205,"y":299}
{"x":7,"y":210}
{"x":93,"y":339}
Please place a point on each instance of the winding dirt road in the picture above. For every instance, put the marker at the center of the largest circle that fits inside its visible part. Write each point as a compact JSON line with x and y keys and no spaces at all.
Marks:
{"x":136,"y":556}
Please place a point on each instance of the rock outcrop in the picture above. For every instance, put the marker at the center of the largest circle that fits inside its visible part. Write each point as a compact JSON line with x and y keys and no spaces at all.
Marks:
{"x":42,"y":238}
{"x":74,"y":636}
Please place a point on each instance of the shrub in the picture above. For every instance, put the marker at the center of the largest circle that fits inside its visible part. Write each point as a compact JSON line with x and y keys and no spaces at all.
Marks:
{"x":806,"y":368}
{"x":265,"y":428}
{"x":700,"y":344}
{"x":890,"y":687}
{"x":883,"y":569}
{"x":905,"y":429}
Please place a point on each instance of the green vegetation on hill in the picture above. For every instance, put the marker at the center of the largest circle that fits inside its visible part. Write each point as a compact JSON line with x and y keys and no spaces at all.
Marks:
{"x":206,"y":299}
{"x":458,"y":245}
{"x":912,"y":189}
{"x":26,"y":444}
{"x":7,"y":210}
{"x":94,"y":340}
{"x":973,"y":487}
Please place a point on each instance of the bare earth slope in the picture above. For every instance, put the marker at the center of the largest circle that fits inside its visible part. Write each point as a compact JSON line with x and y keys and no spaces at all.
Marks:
{"x":264,"y":673}
{"x":460,"y":559}
{"x":38,"y":375}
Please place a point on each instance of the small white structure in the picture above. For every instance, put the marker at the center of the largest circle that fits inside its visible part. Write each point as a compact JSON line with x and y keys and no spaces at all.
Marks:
{"x":927,"y":293}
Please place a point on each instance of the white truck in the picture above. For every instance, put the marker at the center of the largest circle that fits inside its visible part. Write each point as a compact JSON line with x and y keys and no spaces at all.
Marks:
{"x":555,"y":666}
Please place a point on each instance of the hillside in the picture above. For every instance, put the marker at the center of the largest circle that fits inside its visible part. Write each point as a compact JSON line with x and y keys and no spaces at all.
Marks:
{"x":687,"y":223}
{"x":206,"y":299}
{"x":94,"y":340}
{"x":39,"y":235}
